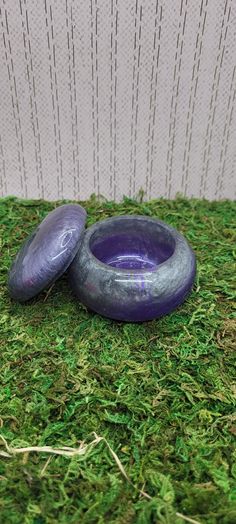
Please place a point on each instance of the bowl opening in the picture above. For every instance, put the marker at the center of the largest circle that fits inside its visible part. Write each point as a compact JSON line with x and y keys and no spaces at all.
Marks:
{"x":132,"y":243}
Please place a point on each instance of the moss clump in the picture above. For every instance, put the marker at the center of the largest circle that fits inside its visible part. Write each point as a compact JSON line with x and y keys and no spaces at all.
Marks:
{"x":162,"y":393}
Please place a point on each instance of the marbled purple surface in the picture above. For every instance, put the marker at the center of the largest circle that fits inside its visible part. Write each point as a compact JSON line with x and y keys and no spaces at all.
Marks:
{"x":132,"y":268}
{"x":48,"y":252}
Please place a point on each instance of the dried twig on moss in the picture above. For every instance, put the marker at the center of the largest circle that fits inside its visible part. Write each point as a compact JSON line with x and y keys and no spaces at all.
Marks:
{"x":66,"y":451}
{"x":161,"y":392}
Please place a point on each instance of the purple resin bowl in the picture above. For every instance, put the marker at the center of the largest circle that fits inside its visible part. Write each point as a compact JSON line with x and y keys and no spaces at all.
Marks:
{"x":47,"y":253}
{"x":132,"y":268}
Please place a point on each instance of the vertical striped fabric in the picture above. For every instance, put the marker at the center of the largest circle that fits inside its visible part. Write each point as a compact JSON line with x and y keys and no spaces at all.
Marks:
{"x":113,"y":96}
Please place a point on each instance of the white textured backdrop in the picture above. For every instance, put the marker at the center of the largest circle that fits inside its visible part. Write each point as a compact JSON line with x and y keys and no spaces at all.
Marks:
{"x":110,"y":96}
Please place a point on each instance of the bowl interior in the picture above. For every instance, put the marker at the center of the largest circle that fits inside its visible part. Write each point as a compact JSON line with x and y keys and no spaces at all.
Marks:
{"x":132,"y":243}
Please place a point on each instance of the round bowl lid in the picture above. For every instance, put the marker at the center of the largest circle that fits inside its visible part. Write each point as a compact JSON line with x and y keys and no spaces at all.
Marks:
{"x":47,"y":252}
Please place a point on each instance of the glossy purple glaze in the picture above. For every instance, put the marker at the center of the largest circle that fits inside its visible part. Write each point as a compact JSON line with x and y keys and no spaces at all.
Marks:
{"x":132,"y":251}
{"x":133,"y":268}
{"x":48,"y":252}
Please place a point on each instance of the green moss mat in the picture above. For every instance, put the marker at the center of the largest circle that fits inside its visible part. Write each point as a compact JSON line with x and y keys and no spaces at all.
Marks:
{"x":162,"y":393}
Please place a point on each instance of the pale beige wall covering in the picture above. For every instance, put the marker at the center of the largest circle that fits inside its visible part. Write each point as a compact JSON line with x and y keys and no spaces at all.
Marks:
{"x":109,"y":96}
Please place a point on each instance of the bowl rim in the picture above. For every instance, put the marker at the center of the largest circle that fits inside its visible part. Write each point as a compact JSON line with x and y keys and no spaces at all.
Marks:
{"x":91,"y":230}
